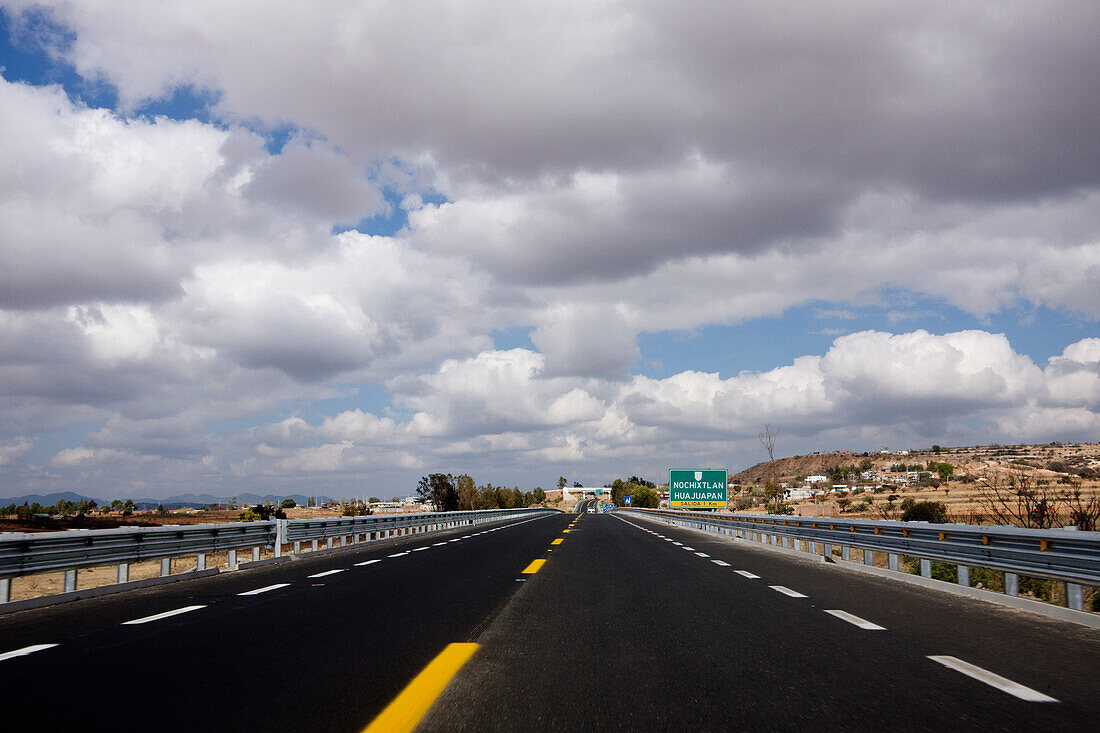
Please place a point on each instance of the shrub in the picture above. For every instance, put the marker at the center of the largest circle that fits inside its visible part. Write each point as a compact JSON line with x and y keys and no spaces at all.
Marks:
{"x":924,"y":511}
{"x":945,"y":571}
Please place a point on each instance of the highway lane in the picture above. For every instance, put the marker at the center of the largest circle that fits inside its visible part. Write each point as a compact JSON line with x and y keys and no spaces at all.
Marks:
{"x":329,"y":641}
{"x":582,"y":621}
{"x":644,"y":626}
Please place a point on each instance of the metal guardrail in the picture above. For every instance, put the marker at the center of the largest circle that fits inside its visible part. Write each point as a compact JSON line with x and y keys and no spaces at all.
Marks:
{"x":1060,"y":554}
{"x":26,"y":553}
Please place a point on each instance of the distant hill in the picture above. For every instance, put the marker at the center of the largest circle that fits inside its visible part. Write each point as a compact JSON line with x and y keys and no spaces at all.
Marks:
{"x":1082,"y":459}
{"x":181,"y":501}
{"x":808,"y":465}
{"x":43,"y":499}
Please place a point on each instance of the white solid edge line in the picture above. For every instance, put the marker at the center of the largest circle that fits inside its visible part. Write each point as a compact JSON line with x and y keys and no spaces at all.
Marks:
{"x":747,"y":574}
{"x":159,"y":616}
{"x":265,"y":589}
{"x":25,"y":651}
{"x":723,"y":563}
{"x":855,"y":620}
{"x":327,"y":572}
{"x":366,"y":562}
{"x":787,"y":591}
{"x":993,"y":680}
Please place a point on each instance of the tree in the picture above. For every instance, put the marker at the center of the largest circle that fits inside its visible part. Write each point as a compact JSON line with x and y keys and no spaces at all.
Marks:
{"x":924,"y":511}
{"x":1016,"y":498}
{"x":467,"y":491}
{"x":771,"y":487}
{"x":354,"y":508}
{"x":645,"y":497}
{"x":561,"y":482}
{"x":538,"y":495}
{"x":945,"y":470}
{"x":311,"y":501}
{"x":439,"y":490}
{"x":288,"y":504}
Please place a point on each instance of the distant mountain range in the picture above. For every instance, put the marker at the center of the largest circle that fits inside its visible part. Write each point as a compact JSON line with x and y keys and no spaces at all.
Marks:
{"x":182,"y":501}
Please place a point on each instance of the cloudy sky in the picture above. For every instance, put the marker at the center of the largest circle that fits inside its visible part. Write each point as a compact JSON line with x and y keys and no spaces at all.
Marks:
{"x":331,"y":247}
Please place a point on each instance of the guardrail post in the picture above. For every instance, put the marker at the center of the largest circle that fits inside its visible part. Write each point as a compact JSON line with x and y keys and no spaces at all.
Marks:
{"x":315,"y":545}
{"x":280,"y":536}
{"x":868,"y":557}
{"x":892,"y":561}
{"x":297,"y":547}
{"x":845,"y":552}
{"x":165,"y":566}
{"x":255,"y":554}
{"x":70,"y":581}
{"x":232,"y":559}
{"x":328,"y":544}
{"x":123,"y":572}
{"x":5,"y":590}
{"x":926,"y":567}
{"x":1012,"y":584}
{"x":964,"y":575}
{"x":200,"y":561}
{"x":1075,"y":597}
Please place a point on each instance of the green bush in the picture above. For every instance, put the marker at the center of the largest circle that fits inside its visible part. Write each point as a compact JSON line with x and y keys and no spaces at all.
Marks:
{"x":924,"y":511}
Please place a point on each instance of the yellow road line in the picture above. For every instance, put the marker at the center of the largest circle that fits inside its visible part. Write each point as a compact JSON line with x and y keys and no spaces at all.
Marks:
{"x":406,"y":710}
{"x":558,"y":541}
{"x":533,"y":567}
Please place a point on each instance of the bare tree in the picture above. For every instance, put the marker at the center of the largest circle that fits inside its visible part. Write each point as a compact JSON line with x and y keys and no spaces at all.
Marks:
{"x":1084,"y":511}
{"x":1017,"y":498}
{"x":771,"y":488}
{"x":767,"y":439}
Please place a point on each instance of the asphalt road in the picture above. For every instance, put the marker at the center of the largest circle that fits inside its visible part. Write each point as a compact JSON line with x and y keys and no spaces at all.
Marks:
{"x":620,"y":628}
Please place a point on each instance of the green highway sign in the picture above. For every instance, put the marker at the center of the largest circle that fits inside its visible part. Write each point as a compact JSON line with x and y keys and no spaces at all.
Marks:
{"x":693,"y":488}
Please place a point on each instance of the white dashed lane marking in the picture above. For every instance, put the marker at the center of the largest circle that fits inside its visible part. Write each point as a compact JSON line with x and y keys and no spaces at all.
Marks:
{"x":159,"y":616}
{"x":265,"y":589}
{"x":855,"y":620}
{"x":723,"y":563}
{"x":746,"y":574}
{"x":366,"y":562}
{"x":993,"y":680}
{"x":787,"y":591}
{"x":25,"y":651}
{"x":327,"y":572}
